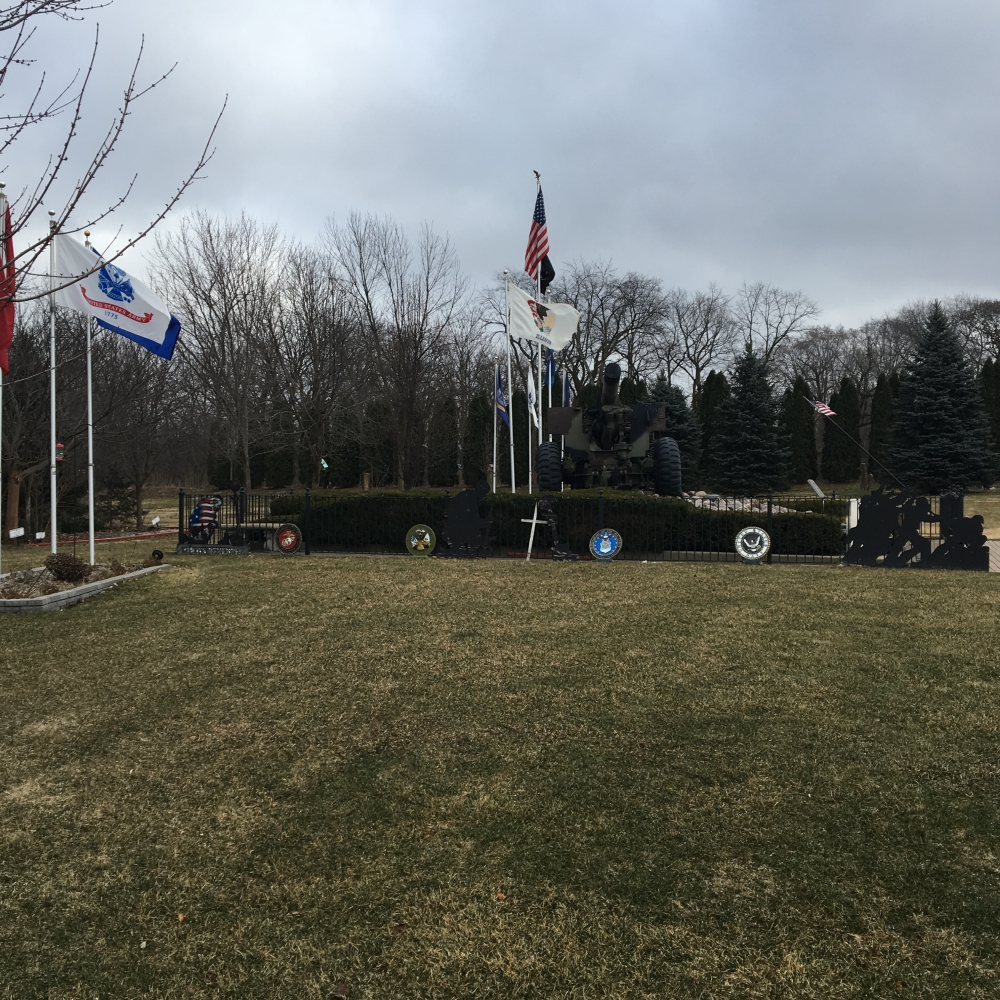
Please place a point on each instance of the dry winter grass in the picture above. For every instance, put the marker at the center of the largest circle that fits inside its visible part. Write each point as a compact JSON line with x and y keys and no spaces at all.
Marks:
{"x":312,"y":778}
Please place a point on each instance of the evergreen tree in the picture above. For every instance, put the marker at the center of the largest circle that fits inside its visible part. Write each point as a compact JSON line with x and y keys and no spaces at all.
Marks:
{"x":881,"y":427}
{"x":707,"y":407}
{"x":682,"y":426}
{"x":941,"y":438}
{"x":841,"y":457}
{"x":798,"y":420}
{"x":661,"y":389}
{"x":632,"y":392}
{"x":751,"y":456}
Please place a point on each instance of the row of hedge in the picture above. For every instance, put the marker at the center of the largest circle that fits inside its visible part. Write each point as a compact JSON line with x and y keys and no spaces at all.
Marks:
{"x":648,"y":525}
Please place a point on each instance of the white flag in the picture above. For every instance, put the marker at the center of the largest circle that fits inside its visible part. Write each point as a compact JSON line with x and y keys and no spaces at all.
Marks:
{"x":550,"y":323}
{"x":116,"y":300}
{"x":532,"y":410}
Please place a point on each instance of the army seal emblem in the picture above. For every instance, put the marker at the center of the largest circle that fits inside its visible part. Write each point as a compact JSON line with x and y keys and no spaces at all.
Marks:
{"x":420,"y":540}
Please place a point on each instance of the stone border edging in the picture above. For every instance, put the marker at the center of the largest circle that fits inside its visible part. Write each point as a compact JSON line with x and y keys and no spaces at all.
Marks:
{"x":67,"y":598}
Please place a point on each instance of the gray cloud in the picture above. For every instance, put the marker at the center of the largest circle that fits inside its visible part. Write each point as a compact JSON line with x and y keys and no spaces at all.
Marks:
{"x":847,"y":149}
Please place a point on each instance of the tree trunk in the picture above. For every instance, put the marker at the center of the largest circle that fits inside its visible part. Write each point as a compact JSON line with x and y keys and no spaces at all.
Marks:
{"x":245,"y":429}
{"x":138,"y":506}
{"x":459,"y":422}
{"x":13,"y":498}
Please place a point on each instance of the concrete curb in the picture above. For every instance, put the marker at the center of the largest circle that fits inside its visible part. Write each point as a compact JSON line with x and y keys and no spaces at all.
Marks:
{"x":67,"y":598}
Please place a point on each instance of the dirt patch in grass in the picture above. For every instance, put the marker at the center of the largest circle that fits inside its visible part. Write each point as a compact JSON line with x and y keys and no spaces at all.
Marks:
{"x":441,"y":779}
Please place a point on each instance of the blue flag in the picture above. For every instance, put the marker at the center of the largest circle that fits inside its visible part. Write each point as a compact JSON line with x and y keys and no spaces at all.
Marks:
{"x":565,"y":380}
{"x":501,"y":400}
{"x":550,"y":367}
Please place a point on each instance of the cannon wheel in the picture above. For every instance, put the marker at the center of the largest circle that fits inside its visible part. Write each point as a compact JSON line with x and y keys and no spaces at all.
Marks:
{"x":667,"y":467}
{"x":549,"y":467}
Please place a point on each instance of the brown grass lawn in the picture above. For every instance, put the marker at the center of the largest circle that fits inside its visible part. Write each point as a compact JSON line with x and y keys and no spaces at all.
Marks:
{"x":307,"y":778}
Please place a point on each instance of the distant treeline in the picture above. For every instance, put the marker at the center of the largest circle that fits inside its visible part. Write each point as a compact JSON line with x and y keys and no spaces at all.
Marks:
{"x":368,"y":356}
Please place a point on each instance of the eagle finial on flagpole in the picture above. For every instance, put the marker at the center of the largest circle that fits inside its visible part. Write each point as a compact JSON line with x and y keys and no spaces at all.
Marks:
{"x":538,"y":179}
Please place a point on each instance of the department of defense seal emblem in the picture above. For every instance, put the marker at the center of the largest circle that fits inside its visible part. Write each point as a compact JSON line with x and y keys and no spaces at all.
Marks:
{"x":752,"y":544}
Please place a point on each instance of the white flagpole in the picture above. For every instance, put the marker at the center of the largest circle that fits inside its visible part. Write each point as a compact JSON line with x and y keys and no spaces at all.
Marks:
{"x":562,"y":437}
{"x":541,"y":352}
{"x":530,"y":378}
{"x":510,"y":384}
{"x":53,"y":498}
{"x":550,"y":384}
{"x":90,"y":431}
{"x":496,"y":417}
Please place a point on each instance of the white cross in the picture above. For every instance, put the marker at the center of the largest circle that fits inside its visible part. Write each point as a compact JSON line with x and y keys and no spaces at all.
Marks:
{"x":533,"y":520}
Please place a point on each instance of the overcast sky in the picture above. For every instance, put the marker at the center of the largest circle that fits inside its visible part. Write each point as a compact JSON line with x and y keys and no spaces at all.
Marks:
{"x":850,"y":150}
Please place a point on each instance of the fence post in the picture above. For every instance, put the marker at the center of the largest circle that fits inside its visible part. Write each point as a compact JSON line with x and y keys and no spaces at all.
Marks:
{"x":180,"y":517}
{"x":770,"y":527}
{"x":600,"y":510}
{"x":308,"y":521}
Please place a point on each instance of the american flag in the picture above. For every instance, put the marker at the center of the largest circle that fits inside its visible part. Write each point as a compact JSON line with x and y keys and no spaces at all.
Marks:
{"x":538,"y":238}
{"x":821,"y":407}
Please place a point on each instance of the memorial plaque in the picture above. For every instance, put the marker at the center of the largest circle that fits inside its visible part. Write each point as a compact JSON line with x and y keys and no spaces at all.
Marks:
{"x":420,"y":540}
{"x":605,"y":544}
{"x":753,"y":544}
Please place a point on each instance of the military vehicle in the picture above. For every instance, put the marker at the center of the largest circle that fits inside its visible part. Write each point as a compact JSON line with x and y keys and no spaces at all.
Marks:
{"x":610,"y":444}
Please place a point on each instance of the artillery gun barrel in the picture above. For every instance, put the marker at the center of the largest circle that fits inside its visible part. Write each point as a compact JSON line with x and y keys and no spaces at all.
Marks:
{"x":609,"y":391}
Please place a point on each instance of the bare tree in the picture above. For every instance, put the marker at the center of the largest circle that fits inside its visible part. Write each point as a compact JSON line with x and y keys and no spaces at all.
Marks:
{"x":470,"y":365}
{"x":620,"y":316}
{"x":701,"y":327}
{"x":135,"y":390}
{"x":404,"y":308}
{"x":221,"y":279}
{"x":767,"y":316}
{"x":977,"y":322}
{"x":17,"y":26}
{"x":312,"y":349}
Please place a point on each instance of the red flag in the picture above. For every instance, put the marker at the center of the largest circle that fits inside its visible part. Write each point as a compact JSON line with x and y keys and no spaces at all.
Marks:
{"x":7,"y":288}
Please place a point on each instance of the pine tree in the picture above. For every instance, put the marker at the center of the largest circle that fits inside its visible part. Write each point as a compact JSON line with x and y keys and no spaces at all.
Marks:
{"x":881,"y":427}
{"x":751,"y":456}
{"x":682,"y":426}
{"x":841,"y":457}
{"x":798,"y":420}
{"x":941,"y":435}
{"x":661,"y":388}
{"x":707,"y":408}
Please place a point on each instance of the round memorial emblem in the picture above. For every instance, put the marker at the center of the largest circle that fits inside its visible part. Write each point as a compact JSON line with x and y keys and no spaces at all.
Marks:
{"x":605,"y":544}
{"x":752,"y":544}
{"x":287,"y":539}
{"x":420,"y":540}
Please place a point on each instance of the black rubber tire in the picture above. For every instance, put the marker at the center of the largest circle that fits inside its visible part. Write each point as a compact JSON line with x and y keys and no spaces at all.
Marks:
{"x":667,"y":467}
{"x":549,"y":467}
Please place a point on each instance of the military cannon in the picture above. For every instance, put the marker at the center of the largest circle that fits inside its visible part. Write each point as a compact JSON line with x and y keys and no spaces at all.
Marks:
{"x":610,"y":444}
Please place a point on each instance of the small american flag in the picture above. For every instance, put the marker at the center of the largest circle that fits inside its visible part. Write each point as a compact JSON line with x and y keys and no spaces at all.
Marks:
{"x":538,"y":238}
{"x":821,"y":407}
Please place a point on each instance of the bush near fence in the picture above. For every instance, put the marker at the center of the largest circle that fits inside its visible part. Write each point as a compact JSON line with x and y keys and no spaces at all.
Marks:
{"x":378,"y":521}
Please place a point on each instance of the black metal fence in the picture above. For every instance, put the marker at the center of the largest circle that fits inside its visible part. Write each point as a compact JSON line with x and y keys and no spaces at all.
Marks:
{"x":802,"y":529}
{"x":231,"y":519}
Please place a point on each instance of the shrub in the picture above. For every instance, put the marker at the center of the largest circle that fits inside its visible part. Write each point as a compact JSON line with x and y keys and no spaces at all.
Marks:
{"x":67,"y":568}
{"x":648,"y":524}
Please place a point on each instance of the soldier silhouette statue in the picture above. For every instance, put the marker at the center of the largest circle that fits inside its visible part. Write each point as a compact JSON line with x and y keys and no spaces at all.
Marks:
{"x":890,"y":530}
{"x":465,"y":532}
{"x":547,"y":509}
